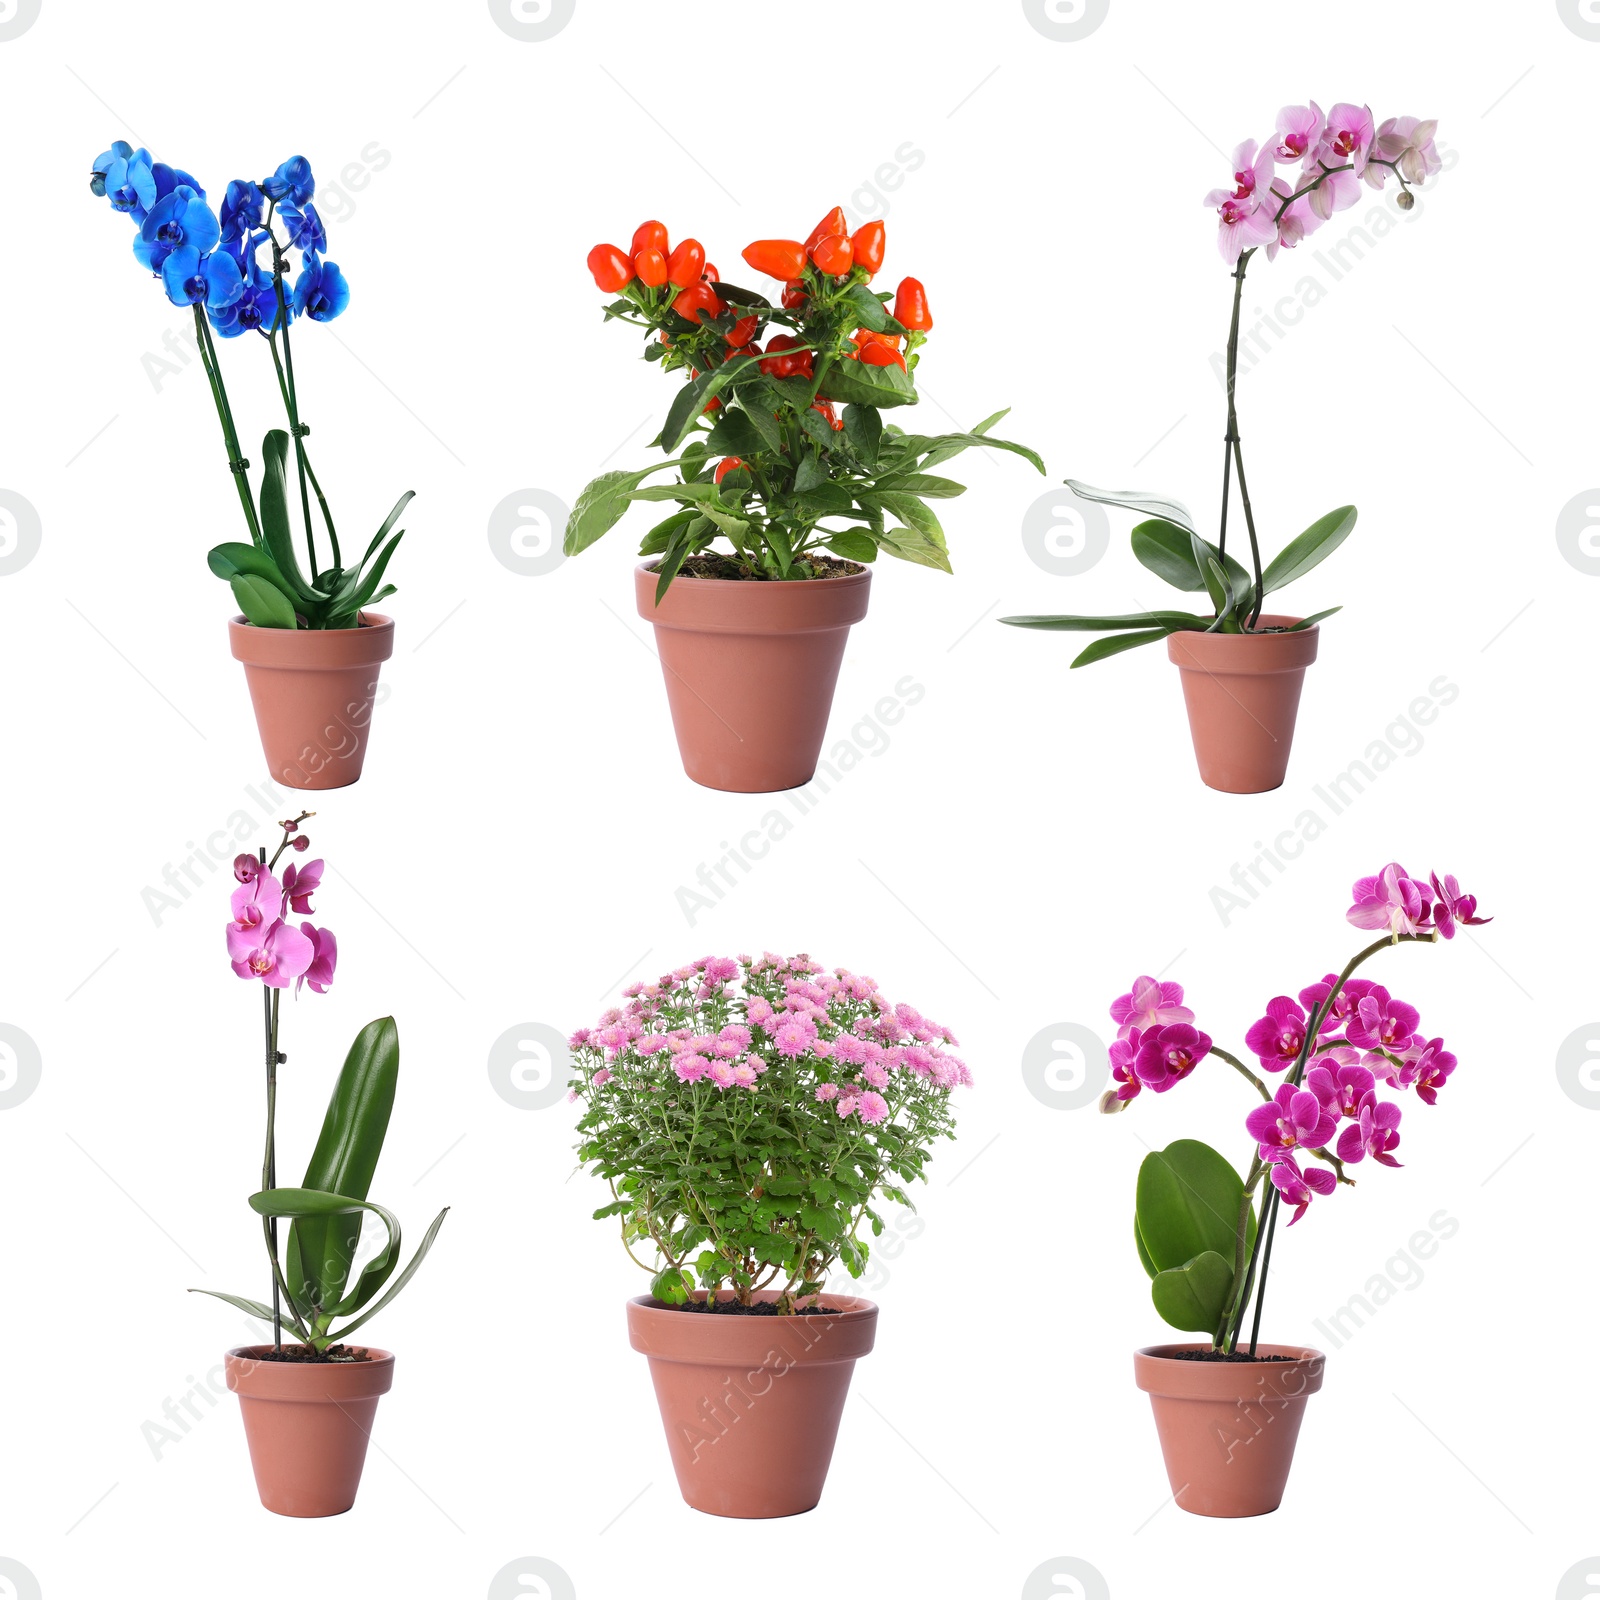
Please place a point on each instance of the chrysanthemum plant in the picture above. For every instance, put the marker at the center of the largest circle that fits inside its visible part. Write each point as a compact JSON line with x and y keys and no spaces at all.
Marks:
{"x":751,"y":1115}
{"x":316,"y":1280}
{"x":232,"y":271}
{"x":1329,"y":159}
{"x":768,"y":464}
{"x":1343,"y":1046}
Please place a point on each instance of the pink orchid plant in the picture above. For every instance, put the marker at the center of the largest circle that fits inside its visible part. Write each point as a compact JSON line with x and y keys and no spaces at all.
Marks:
{"x":271,"y":942}
{"x":747,"y":1115}
{"x":1343,"y":1045}
{"x":1281,"y":190}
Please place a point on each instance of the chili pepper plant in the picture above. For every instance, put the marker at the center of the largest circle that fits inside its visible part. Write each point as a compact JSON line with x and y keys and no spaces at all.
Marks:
{"x":231,"y":269}
{"x":1342,"y":1047}
{"x":315,"y":1281}
{"x":781,"y":451}
{"x":1327,"y":161}
{"x":750,"y":1116}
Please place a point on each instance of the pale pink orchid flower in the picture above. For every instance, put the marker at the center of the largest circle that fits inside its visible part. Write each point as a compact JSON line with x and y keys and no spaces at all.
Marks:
{"x":277,"y":955}
{"x":1408,"y":142}
{"x":255,"y":905}
{"x":1391,"y":900}
{"x":300,"y":883}
{"x":1347,"y":138}
{"x":324,"y":958}
{"x":1149,"y":1004}
{"x":1299,"y":130}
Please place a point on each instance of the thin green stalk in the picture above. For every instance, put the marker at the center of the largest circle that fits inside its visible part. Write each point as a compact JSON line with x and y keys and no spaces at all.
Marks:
{"x":230,"y":438}
{"x":302,"y":454}
{"x":280,"y":267}
{"x":1274,"y":1200}
{"x":1239,"y":1067}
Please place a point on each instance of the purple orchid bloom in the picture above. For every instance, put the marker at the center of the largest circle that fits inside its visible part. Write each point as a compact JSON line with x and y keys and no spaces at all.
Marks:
{"x":1375,"y":1132}
{"x":1427,"y":1065}
{"x":300,"y":883}
{"x":1340,"y":1087}
{"x":1123,"y":1051}
{"x":1392,"y":900}
{"x":324,"y":958}
{"x":1297,"y":1187}
{"x":1382,"y":1022}
{"x":1294,"y":1119}
{"x":1452,"y":907}
{"x":1315,"y":995}
{"x":1168,"y":1054}
{"x":257,"y":903}
{"x":277,"y":954}
{"x":1149,"y":1004}
{"x":1278,"y":1037}
{"x":246,"y":868}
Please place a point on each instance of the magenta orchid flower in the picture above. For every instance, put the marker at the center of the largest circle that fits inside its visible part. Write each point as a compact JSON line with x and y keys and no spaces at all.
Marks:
{"x":277,"y":954}
{"x":1299,"y":130}
{"x":1293,"y":1119}
{"x":1425,"y":1066}
{"x":1149,"y":1004}
{"x":1375,"y":1132}
{"x":1315,"y":995}
{"x":256,"y":905}
{"x":1168,"y":1054}
{"x":1340,"y":1087}
{"x":1383,"y":1023}
{"x":324,"y":958}
{"x":300,"y":883}
{"x":1123,"y":1052}
{"x":1297,"y":1187}
{"x":1392,"y":900}
{"x":1278,"y":1037}
{"x":1452,"y":907}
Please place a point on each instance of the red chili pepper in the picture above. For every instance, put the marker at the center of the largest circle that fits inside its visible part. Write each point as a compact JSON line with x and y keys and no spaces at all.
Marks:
{"x":686,"y":264}
{"x":725,"y":466}
{"x":611,"y":269}
{"x":651,"y":266}
{"x":794,"y":296}
{"x":834,"y":222}
{"x":777,"y":258}
{"x":867,"y":242}
{"x":711,"y":275}
{"x":879,"y":355}
{"x":649,"y":236}
{"x":824,"y":408}
{"x":911,"y":306}
{"x":743,"y":331}
{"x":786,"y":366}
{"x":864,"y":336}
{"x":696,"y":298}
{"x":832,"y":255}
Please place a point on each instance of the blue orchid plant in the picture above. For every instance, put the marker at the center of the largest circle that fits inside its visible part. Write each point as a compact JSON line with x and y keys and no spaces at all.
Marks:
{"x":233,"y":271}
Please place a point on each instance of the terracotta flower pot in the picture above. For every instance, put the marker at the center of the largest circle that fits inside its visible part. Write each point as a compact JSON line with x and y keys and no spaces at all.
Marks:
{"x":1242,"y":691}
{"x":1228,"y":1428}
{"x":313,"y":691}
{"x":751,"y":1405}
{"x":307,"y":1425}
{"x":750,"y":669}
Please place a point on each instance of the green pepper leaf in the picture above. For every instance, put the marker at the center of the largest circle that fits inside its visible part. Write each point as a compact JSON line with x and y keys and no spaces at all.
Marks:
{"x":863,"y":428}
{"x":601,"y":506}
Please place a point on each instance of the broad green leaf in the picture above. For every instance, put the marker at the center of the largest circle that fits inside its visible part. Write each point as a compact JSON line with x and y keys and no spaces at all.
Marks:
{"x":1216,"y":581}
{"x":1313,"y":619}
{"x":692,"y":399}
{"x":660,"y":536}
{"x":827,"y":499}
{"x":1170,"y":621}
{"x":1302,"y":553}
{"x":923,"y":484}
{"x":871,"y":313}
{"x":855,"y":383}
{"x":912,"y":544}
{"x":1144,"y":1255}
{"x":253,"y":1308}
{"x":400,"y":1282}
{"x":229,"y":560}
{"x":1193,"y":1296}
{"x":811,"y":472}
{"x":863,"y":427}
{"x":911,"y":511}
{"x":677,"y":553}
{"x":853,"y":546}
{"x":275,"y":512}
{"x":263,"y":603}
{"x":734,"y":435}
{"x":601,"y":505}
{"x":321,"y":1248}
{"x":1167,"y":549}
{"x":759,"y":403}
{"x":1188,"y":1203}
{"x":672,"y":1286}
{"x":388,"y":522}
{"x":940,"y":447}
{"x":1116,"y":644}
{"x":1150,"y":505}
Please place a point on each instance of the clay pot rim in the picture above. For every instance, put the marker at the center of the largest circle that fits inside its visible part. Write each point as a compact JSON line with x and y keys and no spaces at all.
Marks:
{"x":845,"y":1307}
{"x":1158,"y":1374}
{"x":854,"y":579}
{"x":254,"y":1352}
{"x":372,"y":622}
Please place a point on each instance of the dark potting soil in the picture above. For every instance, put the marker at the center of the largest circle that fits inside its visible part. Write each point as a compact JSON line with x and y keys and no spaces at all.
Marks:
{"x":713,"y":565}
{"x":1240,"y":1357}
{"x":732,"y":1308}
{"x":304,"y":1355}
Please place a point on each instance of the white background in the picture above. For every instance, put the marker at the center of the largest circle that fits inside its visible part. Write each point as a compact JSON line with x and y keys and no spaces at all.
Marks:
{"x":1028,"y":841}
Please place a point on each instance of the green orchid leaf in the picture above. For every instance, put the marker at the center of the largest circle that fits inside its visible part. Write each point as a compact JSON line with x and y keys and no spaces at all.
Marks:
{"x":1302,"y":553}
{"x":263,"y":603}
{"x":1313,"y":619}
{"x":1115,"y":645}
{"x":1161,"y":507}
{"x":1188,"y":1203}
{"x":1167,"y":621}
{"x":400,"y":1282}
{"x":1193,"y":1296}
{"x":275,"y":527}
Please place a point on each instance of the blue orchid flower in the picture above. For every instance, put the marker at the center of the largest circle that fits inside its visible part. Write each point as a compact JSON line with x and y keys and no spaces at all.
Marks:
{"x":292,"y":182}
{"x":243,"y":207}
{"x":255,"y":311}
{"x":126,"y":178}
{"x":178,"y":220}
{"x":320,"y":292}
{"x":306,"y":232}
{"x":192,"y":279}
